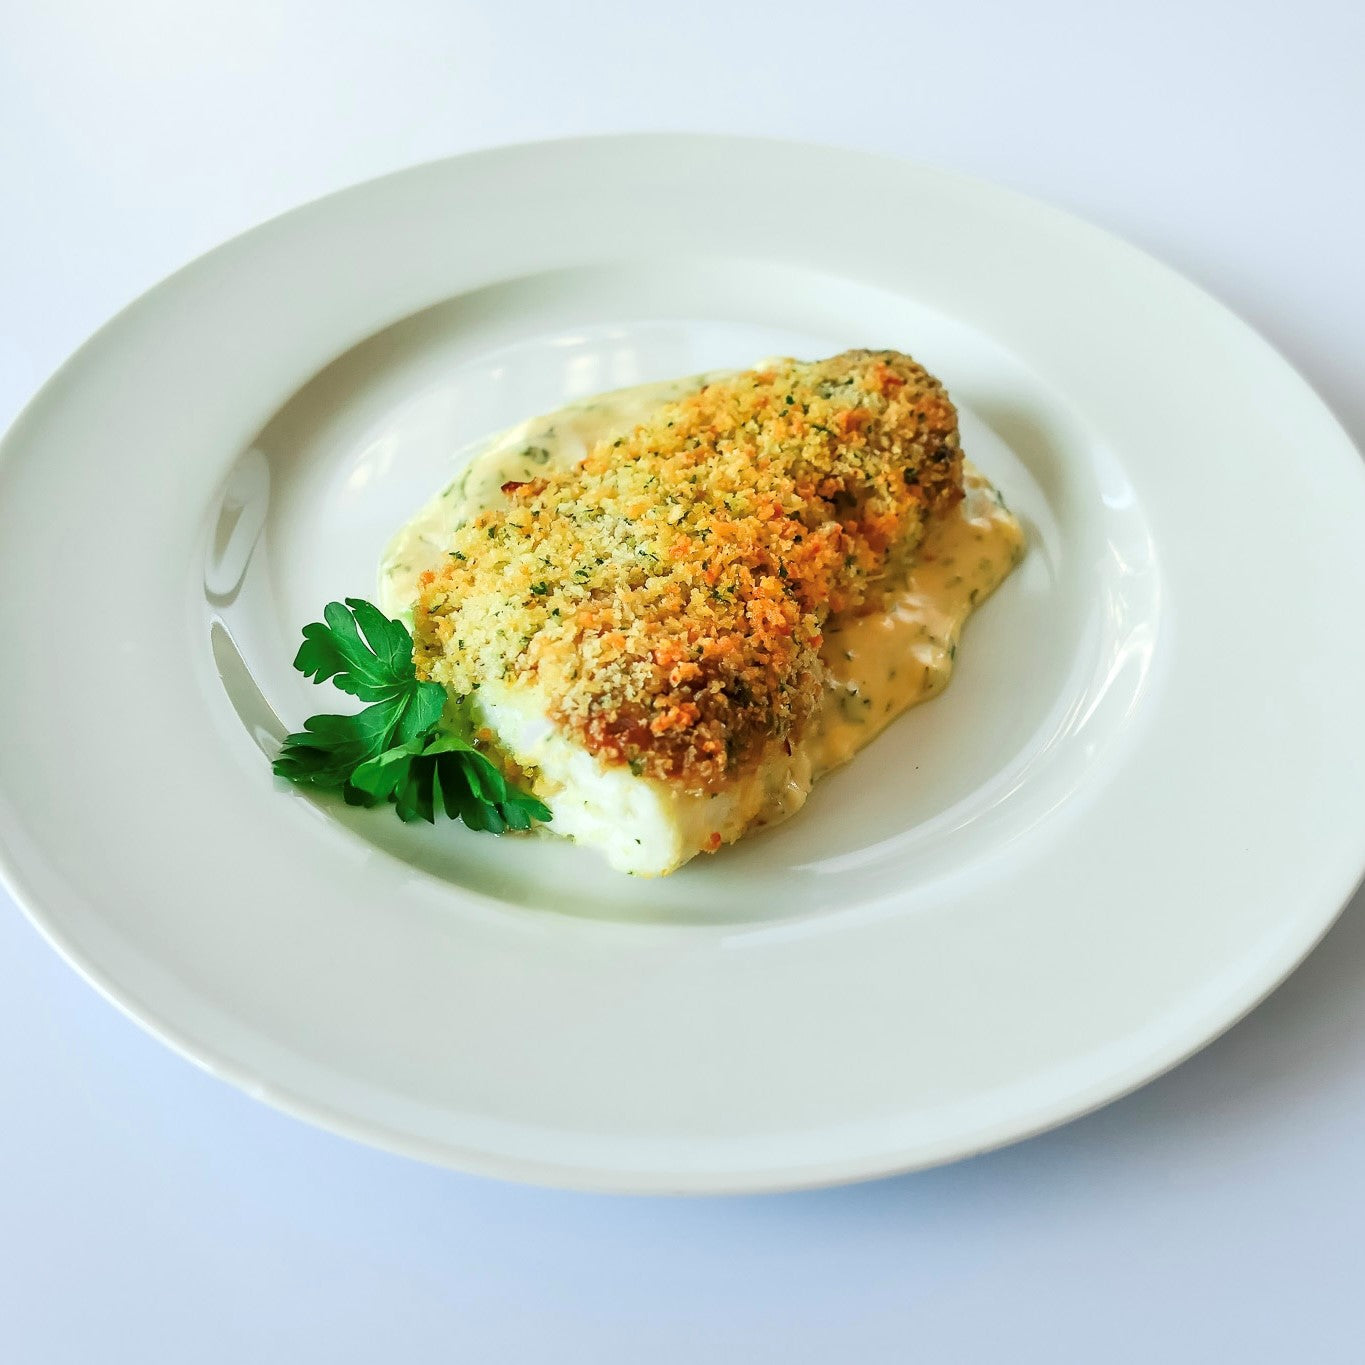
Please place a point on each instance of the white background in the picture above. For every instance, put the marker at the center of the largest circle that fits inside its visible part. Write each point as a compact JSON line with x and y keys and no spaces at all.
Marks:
{"x":150,"y":1214}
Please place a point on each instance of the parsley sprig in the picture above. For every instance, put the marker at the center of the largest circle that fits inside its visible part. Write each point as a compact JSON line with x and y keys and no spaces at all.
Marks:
{"x":407,"y":746}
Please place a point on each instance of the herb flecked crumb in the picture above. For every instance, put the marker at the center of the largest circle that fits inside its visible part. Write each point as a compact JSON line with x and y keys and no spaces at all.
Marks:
{"x":693,"y":561}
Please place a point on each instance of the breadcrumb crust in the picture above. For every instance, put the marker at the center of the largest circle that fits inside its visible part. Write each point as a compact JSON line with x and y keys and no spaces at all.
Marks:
{"x":668,"y":593}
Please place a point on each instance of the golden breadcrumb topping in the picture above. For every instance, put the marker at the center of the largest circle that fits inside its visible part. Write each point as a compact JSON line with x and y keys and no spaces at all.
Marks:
{"x":668,"y":593}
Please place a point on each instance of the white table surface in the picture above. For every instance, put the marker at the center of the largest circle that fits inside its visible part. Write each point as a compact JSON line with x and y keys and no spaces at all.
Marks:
{"x":149,"y":1213}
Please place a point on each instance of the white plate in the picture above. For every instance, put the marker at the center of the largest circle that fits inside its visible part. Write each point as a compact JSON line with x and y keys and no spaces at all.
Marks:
{"x":1136,"y":808}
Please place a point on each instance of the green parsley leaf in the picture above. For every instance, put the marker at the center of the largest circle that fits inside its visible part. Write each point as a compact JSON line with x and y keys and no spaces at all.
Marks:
{"x":407,"y":746}
{"x":446,"y":772}
{"x":328,"y":748}
{"x":372,"y":668}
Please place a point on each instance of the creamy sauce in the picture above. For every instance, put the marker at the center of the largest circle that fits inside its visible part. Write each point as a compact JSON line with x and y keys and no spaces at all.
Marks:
{"x":558,"y":440}
{"x":892,"y":659}
{"x":880,"y":664}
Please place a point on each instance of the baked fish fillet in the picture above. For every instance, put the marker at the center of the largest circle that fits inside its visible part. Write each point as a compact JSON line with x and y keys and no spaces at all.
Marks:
{"x":642,"y":632}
